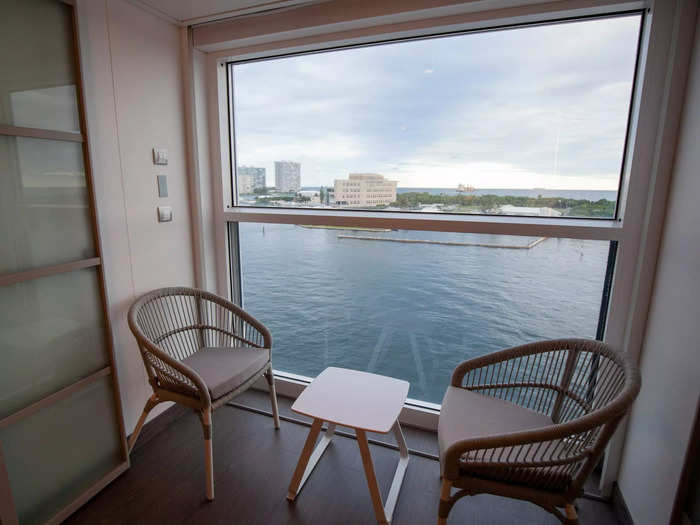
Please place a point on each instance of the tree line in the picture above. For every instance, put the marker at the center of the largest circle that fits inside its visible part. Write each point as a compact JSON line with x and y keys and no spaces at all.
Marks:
{"x":491,"y":203}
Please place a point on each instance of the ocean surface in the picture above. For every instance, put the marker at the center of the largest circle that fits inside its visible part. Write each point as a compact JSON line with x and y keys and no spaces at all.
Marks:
{"x":413,"y":311}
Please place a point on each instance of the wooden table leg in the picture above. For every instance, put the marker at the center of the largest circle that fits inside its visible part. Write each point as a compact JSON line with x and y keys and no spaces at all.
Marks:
{"x":382,"y":512}
{"x":308,"y":460}
{"x":393,"y":495}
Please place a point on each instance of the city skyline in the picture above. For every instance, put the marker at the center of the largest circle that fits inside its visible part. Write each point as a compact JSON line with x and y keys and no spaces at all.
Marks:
{"x":522,"y":108}
{"x":244,"y":171}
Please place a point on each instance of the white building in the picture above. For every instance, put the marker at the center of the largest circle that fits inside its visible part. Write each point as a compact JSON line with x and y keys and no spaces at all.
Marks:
{"x":365,"y":189}
{"x":287,"y":176}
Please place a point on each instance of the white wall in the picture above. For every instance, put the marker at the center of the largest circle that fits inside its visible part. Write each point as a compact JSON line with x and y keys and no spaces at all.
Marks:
{"x":134,"y":101}
{"x":662,"y":418}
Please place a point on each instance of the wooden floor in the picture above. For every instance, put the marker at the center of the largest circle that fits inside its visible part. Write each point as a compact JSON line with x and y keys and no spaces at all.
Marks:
{"x":253,"y":464}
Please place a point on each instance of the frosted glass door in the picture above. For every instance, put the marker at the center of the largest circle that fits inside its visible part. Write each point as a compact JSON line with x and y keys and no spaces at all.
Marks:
{"x":61,"y":429}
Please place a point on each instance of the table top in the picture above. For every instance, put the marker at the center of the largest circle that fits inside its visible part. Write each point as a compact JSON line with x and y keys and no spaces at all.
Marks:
{"x":351,"y":398}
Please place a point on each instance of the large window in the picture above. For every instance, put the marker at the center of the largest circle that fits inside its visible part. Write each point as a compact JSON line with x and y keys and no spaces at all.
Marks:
{"x":334,"y":152}
{"x":528,"y":121}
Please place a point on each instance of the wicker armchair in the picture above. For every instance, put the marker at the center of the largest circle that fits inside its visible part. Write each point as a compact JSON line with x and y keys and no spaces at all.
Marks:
{"x":199,"y":350}
{"x":532,"y":421}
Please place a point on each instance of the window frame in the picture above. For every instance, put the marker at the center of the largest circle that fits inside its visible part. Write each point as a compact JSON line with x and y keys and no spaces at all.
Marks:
{"x":593,"y":228}
{"x":648,"y":153}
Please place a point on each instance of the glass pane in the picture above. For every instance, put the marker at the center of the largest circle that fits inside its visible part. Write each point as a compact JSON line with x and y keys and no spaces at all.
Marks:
{"x":44,"y":211}
{"x":51,"y":334}
{"x":59,"y":452}
{"x":525,"y":121}
{"x":413,"y":304}
{"x":37,"y":70}
{"x":48,"y":108}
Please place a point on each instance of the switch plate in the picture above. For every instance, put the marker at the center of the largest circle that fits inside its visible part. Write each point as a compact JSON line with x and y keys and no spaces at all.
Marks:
{"x":165,"y":213}
{"x":160,"y":156}
{"x":162,"y":185}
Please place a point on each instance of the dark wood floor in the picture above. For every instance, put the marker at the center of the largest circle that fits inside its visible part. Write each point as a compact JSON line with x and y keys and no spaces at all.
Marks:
{"x":253,"y":464}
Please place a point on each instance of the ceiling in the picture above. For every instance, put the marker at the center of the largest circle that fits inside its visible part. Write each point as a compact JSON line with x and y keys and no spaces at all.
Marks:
{"x":189,"y":12}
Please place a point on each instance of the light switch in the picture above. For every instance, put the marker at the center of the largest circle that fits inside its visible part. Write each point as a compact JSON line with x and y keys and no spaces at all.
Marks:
{"x":165,"y":213}
{"x":160,"y":156}
{"x":162,"y":185}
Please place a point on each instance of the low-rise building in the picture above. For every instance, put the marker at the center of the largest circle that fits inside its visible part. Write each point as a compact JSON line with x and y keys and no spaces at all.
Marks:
{"x":508,"y":209}
{"x":364,"y":190}
{"x":314,"y":196}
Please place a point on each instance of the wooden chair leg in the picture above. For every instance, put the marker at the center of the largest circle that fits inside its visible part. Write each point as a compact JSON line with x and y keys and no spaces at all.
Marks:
{"x":209,"y":458}
{"x":152,"y":401}
{"x":273,"y":396}
{"x":571,"y":514}
{"x":445,"y":503}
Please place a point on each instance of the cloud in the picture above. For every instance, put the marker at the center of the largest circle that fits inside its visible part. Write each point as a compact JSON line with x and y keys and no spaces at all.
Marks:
{"x":544,"y":106}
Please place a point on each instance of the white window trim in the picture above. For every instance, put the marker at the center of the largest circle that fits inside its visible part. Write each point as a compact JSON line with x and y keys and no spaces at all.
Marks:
{"x":649,"y":152}
{"x":598,"y":229}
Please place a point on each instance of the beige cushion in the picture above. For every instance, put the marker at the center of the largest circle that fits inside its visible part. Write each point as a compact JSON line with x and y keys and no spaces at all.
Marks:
{"x":467,"y":415}
{"x":225,"y":369}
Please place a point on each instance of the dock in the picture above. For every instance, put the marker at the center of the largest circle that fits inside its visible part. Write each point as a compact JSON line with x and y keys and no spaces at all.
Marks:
{"x":349,"y":228}
{"x":448,"y":243}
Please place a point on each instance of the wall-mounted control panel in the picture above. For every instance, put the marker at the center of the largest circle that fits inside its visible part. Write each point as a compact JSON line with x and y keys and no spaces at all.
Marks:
{"x":160,"y":156}
{"x":165,"y":213}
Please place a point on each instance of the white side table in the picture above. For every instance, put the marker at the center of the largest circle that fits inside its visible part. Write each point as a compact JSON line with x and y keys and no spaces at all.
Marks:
{"x":362,"y":401}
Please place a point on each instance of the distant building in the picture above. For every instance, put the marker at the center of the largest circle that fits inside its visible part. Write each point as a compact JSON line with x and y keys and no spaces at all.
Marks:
{"x":287,"y":176}
{"x":365,"y":189}
{"x":250,"y":179}
{"x":507,"y":209}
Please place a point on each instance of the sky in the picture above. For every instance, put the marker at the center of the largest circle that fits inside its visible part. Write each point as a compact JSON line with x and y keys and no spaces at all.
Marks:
{"x":535,"y":107}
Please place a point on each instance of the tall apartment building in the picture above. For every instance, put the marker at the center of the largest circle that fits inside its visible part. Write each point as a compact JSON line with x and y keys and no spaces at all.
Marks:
{"x":365,"y":189}
{"x":250,"y":178}
{"x":287,"y":175}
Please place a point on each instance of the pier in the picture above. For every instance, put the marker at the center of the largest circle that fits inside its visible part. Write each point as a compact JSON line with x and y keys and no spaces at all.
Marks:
{"x":448,"y":243}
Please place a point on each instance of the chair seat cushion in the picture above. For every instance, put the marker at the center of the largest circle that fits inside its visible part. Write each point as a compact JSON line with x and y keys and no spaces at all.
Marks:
{"x":225,"y":369}
{"x":468,"y":415}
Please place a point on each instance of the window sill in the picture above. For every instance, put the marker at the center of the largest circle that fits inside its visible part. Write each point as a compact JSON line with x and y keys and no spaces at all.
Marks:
{"x":599,"y":229}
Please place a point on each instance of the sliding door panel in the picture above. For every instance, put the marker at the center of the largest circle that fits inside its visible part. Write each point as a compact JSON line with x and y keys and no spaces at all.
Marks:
{"x":54,"y":455}
{"x":61,"y":428}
